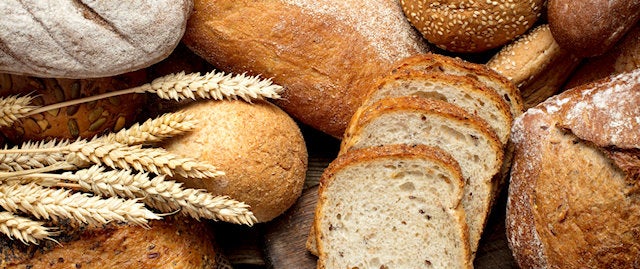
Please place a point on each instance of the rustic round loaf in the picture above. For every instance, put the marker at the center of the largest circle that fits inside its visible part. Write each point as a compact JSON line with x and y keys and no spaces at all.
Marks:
{"x":259,"y":148}
{"x":87,"y":39}
{"x":471,"y":26}
{"x":83,"y":120}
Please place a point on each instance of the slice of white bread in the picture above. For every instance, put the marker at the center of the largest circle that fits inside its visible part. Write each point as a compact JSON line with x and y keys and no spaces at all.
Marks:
{"x":455,"y":66}
{"x":461,"y":91}
{"x":417,"y":120}
{"x":395,"y":206}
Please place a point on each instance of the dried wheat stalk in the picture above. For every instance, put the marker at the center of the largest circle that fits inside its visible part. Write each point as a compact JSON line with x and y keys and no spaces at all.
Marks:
{"x":24,"y":229}
{"x":48,"y":203}
{"x":154,"y":130}
{"x":14,"y":107}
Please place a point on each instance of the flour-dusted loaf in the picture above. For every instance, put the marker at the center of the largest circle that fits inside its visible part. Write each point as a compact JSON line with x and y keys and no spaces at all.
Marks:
{"x":257,"y":145}
{"x":87,"y":39}
{"x":395,"y":206}
{"x":574,"y":197}
{"x":435,"y":123}
{"x":325,"y":53}
{"x":462,"y":91}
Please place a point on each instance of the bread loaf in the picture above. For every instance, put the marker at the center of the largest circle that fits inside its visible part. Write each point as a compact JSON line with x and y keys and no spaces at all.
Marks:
{"x":573,"y":199}
{"x":324,"y":52}
{"x":392,"y":207}
{"x":591,"y":27}
{"x":471,"y":26}
{"x":88,"y":39}
{"x":423,"y":121}
{"x":84,"y":120}
{"x":258,"y":146}
{"x":172,"y":242}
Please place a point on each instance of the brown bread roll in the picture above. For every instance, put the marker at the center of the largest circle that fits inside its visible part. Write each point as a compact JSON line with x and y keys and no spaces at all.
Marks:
{"x":574,"y":197}
{"x":324,"y":52}
{"x":83,"y":120}
{"x":258,"y":146}
{"x":472,"y":26}
{"x":591,"y":27}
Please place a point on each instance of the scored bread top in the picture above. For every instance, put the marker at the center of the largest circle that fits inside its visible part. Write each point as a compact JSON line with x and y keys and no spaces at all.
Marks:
{"x":456,"y":66}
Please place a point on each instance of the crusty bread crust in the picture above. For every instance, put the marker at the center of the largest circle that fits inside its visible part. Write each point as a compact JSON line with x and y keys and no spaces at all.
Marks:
{"x":569,"y":205}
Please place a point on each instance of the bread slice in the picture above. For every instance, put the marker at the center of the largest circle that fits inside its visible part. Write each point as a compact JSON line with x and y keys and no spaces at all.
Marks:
{"x":455,"y":66}
{"x":396,"y":206}
{"x":416,"y":120}
{"x":461,"y":91}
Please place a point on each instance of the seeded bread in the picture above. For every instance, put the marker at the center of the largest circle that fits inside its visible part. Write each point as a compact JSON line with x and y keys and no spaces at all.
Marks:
{"x":461,"y":91}
{"x":88,"y":39}
{"x":325,"y":53}
{"x":416,"y":120}
{"x":393,"y":206}
{"x":574,"y":199}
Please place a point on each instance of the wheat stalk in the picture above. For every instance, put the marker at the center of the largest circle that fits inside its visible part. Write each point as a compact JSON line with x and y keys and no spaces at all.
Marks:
{"x":14,"y":107}
{"x":48,"y":203}
{"x":154,"y":130}
{"x":24,"y":229}
{"x":165,"y":195}
{"x":181,"y":86}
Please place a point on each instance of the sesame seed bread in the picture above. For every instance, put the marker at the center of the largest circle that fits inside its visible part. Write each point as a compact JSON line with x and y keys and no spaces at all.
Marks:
{"x":472,"y":26}
{"x":416,"y":120}
{"x":591,"y":27}
{"x":455,"y":66}
{"x":325,"y":53}
{"x":574,"y":199}
{"x":394,"y":206}
{"x":461,"y":91}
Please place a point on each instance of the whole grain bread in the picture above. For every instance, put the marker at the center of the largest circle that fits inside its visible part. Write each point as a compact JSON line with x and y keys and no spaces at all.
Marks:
{"x":574,"y":197}
{"x":88,"y":39}
{"x":396,"y":206}
{"x":325,"y":53}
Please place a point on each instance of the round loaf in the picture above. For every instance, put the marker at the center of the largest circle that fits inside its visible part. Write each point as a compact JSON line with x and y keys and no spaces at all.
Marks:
{"x":324,"y":52}
{"x":258,"y":146}
{"x":591,"y":27}
{"x":573,"y":197}
{"x":88,"y":39}
{"x":84,"y":120}
{"x":471,"y":26}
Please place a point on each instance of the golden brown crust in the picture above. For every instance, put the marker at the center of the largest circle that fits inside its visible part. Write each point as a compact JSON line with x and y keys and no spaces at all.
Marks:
{"x":175,"y":242}
{"x":258,"y":146}
{"x":84,"y":120}
{"x":590,"y":28}
{"x":471,"y":26}
{"x":324,"y":64}
{"x":569,"y":206}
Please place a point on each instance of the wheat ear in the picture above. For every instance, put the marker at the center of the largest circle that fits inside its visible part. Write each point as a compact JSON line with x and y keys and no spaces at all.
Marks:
{"x":24,"y":229}
{"x":24,"y":160}
{"x":180,"y":86}
{"x":165,"y":195}
{"x":48,"y":203}
{"x":154,"y":130}
{"x":14,"y":107}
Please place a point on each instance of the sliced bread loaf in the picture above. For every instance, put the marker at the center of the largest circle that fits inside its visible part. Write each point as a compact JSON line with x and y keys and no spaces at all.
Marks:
{"x":416,"y":120}
{"x":455,"y":66}
{"x":461,"y":91}
{"x":396,"y":206}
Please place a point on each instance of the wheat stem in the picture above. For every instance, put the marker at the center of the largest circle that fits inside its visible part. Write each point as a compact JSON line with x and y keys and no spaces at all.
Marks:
{"x":154,"y":130}
{"x":24,"y":229}
{"x":53,"y":167}
{"x":14,"y":107}
{"x":180,"y":86}
{"x":48,"y":203}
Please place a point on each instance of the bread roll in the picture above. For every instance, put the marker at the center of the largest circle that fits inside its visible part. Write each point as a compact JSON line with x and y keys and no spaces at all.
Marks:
{"x":573,"y":197}
{"x":83,"y":120}
{"x":471,"y":26}
{"x":88,"y":39}
{"x":258,"y":146}
{"x":591,"y":27}
{"x":324,"y":52}
{"x":173,"y":242}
